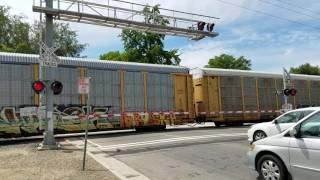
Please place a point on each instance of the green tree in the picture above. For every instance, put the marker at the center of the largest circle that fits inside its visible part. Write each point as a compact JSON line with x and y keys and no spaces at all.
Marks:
{"x":226,"y":61}
{"x":112,"y":55}
{"x":306,"y":69}
{"x":14,"y":34}
{"x":145,"y":47}
{"x":21,"y":37}
{"x":64,"y":38}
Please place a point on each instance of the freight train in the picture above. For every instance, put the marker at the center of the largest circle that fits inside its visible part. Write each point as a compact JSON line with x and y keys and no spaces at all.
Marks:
{"x":134,"y":95}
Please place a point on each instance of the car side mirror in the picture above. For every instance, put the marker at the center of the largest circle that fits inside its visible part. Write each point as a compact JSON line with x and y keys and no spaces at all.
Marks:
{"x":294,"y":132}
{"x":275,"y":121}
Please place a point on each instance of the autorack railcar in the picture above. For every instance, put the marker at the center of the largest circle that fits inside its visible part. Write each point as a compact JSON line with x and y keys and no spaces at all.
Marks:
{"x":238,"y":96}
{"x":123,"y":95}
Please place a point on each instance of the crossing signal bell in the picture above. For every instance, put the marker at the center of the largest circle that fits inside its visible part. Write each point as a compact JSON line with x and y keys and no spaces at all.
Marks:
{"x":290,"y":92}
{"x":56,"y":87}
{"x":38,"y":86}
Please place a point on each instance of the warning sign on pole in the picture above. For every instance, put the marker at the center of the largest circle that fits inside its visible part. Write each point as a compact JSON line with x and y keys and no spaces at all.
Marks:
{"x":84,"y":86}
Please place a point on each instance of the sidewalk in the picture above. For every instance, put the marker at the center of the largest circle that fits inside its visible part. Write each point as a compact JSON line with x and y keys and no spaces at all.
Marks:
{"x":23,"y":161}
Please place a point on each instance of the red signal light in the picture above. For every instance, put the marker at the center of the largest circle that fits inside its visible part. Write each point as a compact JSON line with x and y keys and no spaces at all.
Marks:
{"x":38,"y":86}
{"x":293,"y":92}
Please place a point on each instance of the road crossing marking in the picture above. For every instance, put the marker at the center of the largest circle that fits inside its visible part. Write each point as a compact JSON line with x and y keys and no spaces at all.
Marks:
{"x":163,"y":141}
{"x":123,"y":171}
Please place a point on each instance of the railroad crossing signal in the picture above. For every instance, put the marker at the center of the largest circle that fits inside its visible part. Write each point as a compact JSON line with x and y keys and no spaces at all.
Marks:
{"x":48,"y":57}
{"x":290,"y":92}
{"x":38,"y":86}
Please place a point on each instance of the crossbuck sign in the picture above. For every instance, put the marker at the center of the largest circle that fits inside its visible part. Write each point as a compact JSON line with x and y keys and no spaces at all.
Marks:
{"x":47,"y":56}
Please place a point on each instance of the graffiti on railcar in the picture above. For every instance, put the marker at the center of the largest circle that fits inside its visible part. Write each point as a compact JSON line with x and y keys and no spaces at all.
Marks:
{"x":30,"y":120}
{"x":69,"y":118}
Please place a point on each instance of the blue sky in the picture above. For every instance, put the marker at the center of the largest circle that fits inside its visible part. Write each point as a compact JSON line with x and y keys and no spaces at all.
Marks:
{"x":271,"y":43}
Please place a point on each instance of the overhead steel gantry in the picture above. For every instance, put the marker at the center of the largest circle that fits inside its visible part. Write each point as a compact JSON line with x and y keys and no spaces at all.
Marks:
{"x":127,"y":15}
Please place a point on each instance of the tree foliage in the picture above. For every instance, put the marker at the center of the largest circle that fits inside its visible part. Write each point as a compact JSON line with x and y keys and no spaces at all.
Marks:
{"x":14,"y":34}
{"x":112,"y":55}
{"x":306,"y":69}
{"x":20,"y":37}
{"x":226,"y":61}
{"x":145,"y":47}
{"x":63,"y":37}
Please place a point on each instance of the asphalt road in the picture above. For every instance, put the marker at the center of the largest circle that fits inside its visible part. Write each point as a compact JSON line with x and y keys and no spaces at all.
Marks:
{"x":206,"y":153}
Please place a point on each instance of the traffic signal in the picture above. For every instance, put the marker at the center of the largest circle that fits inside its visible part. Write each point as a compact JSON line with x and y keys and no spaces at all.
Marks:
{"x":201,"y":25}
{"x":38,"y":86}
{"x":56,"y":87}
{"x":210,"y":27}
{"x":290,"y":92}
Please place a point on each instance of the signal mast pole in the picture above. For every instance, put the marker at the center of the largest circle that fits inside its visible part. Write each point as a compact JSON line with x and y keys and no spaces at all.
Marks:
{"x":285,"y":86}
{"x":287,"y":83}
{"x":48,"y":141}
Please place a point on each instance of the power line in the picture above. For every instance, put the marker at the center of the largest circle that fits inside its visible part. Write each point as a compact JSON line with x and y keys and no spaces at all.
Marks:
{"x":288,"y":9}
{"x":299,"y":7}
{"x":267,"y":14}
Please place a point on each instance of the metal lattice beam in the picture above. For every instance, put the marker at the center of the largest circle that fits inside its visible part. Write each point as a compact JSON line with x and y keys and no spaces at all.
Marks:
{"x":124,"y":18}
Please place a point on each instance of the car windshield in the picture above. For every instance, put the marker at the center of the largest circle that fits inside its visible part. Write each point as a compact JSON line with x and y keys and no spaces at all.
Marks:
{"x":290,"y":117}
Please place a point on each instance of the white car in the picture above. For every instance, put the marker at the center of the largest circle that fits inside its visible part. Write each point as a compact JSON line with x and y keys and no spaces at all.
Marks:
{"x":292,"y":154}
{"x":278,"y":125}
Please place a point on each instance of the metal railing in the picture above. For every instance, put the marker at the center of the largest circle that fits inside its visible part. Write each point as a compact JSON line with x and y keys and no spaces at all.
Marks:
{"x":127,"y":15}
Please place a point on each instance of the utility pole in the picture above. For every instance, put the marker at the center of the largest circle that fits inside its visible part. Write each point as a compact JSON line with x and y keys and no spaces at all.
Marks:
{"x":48,"y":141}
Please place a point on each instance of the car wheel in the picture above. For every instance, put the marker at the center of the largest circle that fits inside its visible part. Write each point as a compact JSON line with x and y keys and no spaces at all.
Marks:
{"x":259,"y":135}
{"x":270,"y":167}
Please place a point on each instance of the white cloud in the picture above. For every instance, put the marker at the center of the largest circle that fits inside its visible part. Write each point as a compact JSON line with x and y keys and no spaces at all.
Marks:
{"x":288,"y":52}
{"x":197,"y":54}
{"x":268,"y":52}
{"x":21,"y":8}
{"x":213,"y":8}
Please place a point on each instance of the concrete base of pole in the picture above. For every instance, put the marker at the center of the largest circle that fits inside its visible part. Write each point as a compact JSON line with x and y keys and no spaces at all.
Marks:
{"x":44,"y":147}
{"x":48,"y":142}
